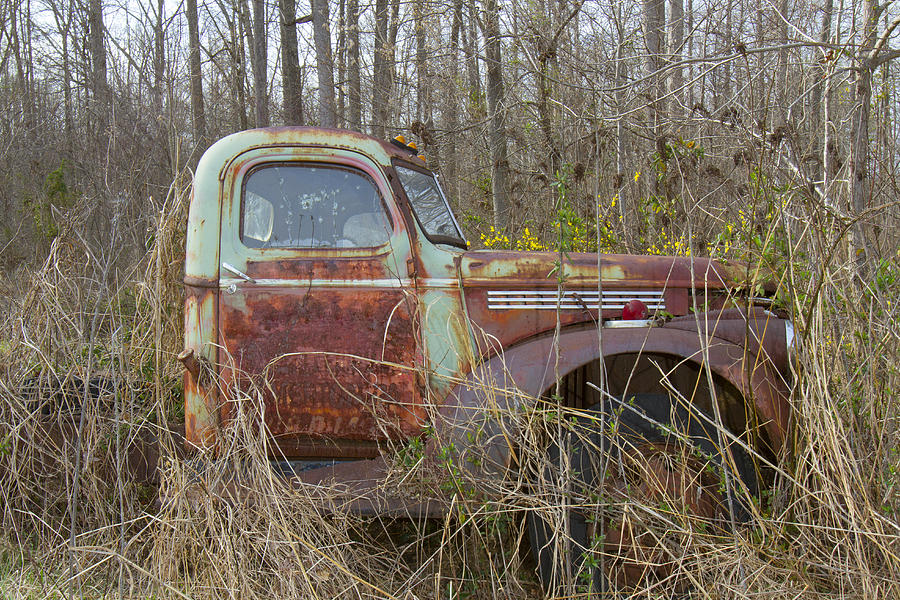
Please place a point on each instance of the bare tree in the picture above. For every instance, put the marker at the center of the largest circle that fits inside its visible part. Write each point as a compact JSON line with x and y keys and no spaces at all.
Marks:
{"x":423,"y":126}
{"x":98,"y":77}
{"x":290,"y":64}
{"x":872,"y":52}
{"x":676,"y":43}
{"x":256,"y":38}
{"x":324,"y":64}
{"x":381,"y":75}
{"x":196,"y":74}
{"x":451,"y":103}
{"x":63,"y":17}
{"x":497,"y":111}
{"x":820,"y":108}
{"x":353,"y":78}
{"x":654,"y":28}
{"x":781,"y":74}
{"x":470,"y":34}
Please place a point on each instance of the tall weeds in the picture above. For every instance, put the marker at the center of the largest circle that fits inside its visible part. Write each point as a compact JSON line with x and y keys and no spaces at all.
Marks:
{"x":76,"y":521}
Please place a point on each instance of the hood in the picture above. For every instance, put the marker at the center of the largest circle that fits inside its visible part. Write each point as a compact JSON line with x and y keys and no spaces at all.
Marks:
{"x":490,"y":267}
{"x":511,"y":296}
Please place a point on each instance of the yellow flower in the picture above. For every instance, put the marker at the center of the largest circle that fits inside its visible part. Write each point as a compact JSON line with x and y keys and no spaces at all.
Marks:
{"x":637,"y":174}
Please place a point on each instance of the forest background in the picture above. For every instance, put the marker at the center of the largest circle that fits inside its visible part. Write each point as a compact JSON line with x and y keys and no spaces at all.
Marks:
{"x":760,"y":131}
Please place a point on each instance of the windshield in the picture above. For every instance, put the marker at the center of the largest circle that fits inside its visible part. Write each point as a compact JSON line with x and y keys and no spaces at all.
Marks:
{"x":430,"y":206}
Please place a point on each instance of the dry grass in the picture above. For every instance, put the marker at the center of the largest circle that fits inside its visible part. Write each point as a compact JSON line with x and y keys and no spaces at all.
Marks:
{"x":75,"y":524}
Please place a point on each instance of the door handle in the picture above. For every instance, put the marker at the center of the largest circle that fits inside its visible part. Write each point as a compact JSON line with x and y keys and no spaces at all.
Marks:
{"x":238,"y":272}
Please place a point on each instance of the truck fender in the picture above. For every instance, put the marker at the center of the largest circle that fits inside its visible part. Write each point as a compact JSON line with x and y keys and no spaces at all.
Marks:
{"x":475,"y":418}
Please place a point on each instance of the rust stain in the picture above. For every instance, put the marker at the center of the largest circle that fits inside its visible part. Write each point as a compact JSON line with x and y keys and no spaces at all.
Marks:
{"x":308,"y":267}
{"x":484,"y":271}
{"x":504,"y":267}
{"x":511,"y":326}
{"x":199,"y":400}
{"x":330,"y":367}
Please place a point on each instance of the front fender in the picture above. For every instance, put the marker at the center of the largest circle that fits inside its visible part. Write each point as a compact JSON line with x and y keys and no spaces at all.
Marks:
{"x":472,"y":414}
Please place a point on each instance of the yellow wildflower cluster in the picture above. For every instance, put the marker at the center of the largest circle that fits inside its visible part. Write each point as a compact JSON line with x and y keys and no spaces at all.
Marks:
{"x":719,"y":250}
{"x":529,"y":241}
{"x":495,"y":240}
{"x":670,"y":247}
{"x":500,"y":241}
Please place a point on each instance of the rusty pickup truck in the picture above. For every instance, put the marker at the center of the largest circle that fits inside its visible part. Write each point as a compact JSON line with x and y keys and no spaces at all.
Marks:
{"x":329,"y":265}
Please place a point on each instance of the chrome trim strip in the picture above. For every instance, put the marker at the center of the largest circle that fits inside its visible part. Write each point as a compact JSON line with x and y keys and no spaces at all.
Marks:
{"x":636,"y":323}
{"x":579,"y":293}
{"x":606,"y":306}
{"x":789,"y":338}
{"x":571,"y":300}
{"x":226,"y":282}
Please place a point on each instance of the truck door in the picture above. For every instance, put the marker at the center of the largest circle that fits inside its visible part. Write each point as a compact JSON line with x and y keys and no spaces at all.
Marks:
{"x":316,"y":303}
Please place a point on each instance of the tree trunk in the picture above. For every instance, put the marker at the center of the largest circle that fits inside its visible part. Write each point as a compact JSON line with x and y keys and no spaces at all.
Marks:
{"x":859,"y":135}
{"x":290,"y":64}
{"x":158,"y":93}
{"x":544,"y":92}
{"x":820,"y":107}
{"x":689,"y":25}
{"x":98,"y":78}
{"x":422,"y":100}
{"x":497,"y":110}
{"x":723,"y":79}
{"x":196,"y":75}
{"x":424,"y":95}
{"x":391,"y":67}
{"x":380,"y":73}
{"x":654,"y":23}
{"x":240,"y":31}
{"x":324,"y":65}
{"x":621,"y":77}
{"x":469,"y":32}
{"x":353,"y":78}
{"x":259,"y":59}
{"x":781,"y":78}
{"x":18,"y":50}
{"x":340,"y":59}
{"x":159,"y":58}
{"x":451,"y":105}
{"x":676,"y":41}
{"x":63,"y":21}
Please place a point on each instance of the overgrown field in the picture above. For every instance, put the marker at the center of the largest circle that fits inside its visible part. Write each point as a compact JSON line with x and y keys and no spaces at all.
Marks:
{"x":76,"y":524}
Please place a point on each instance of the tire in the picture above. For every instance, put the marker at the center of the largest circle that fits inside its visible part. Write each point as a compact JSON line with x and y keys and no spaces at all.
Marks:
{"x":659,"y":454}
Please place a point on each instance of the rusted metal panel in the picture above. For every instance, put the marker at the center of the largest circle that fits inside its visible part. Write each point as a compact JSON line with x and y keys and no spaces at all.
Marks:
{"x":514,"y":325}
{"x":488,"y":267}
{"x":48,"y":441}
{"x":527,"y":371}
{"x":312,"y":266}
{"x":200,"y":393}
{"x":337,"y":363}
{"x":327,"y":335}
{"x":759,"y":330}
{"x":664,"y":280}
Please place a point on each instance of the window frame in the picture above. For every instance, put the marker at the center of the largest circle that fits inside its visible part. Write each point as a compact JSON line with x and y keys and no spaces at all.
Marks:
{"x":267,"y":164}
{"x":459,"y":242}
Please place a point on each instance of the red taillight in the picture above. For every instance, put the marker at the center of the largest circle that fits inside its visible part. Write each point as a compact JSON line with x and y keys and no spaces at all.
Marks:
{"x":635,"y":310}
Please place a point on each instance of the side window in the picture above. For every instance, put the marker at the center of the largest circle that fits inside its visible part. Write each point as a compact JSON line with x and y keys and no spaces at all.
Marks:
{"x":311,"y":206}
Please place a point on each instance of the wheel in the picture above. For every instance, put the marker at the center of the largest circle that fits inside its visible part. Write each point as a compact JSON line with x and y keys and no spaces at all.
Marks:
{"x":640,"y":475}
